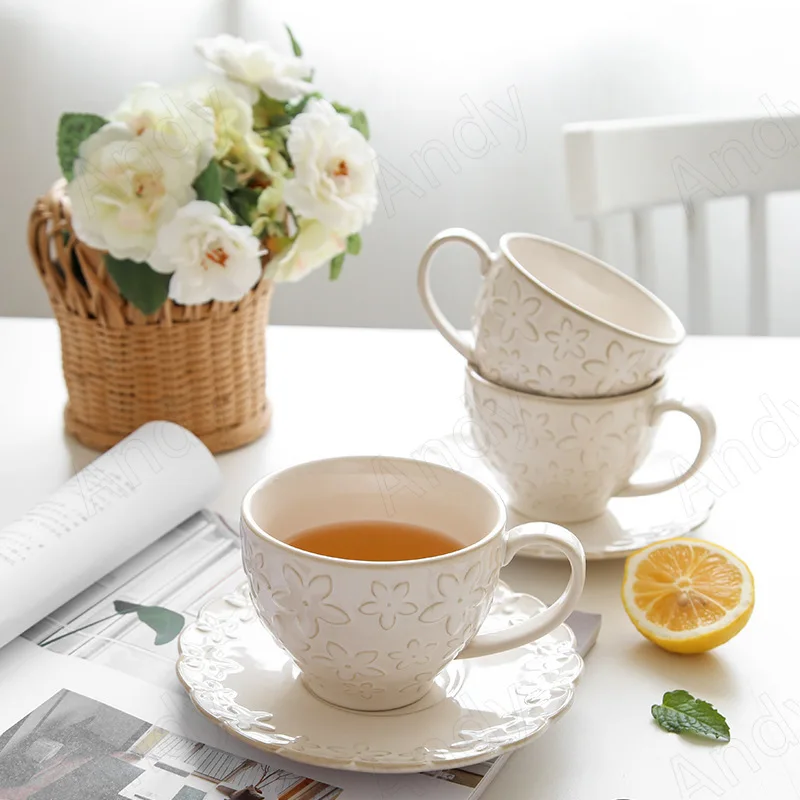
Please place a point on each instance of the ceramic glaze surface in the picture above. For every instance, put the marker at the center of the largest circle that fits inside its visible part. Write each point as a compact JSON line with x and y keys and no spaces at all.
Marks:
{"x":574,"y":342}
{"x":238,"y":676}
{"x":364,"y":637}
{"x":562,"y":460}
{"x":373,"y":635}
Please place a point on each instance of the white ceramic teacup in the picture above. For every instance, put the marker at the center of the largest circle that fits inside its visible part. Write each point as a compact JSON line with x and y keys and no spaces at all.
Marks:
{"x":373,"y":635}
{"x":562,"y":459}
{"x":552,"y":320}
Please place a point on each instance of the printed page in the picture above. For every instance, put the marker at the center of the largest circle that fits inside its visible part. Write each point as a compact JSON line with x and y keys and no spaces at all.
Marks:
{"x":199,"y":560}
{"x":114,"y":508}
{"x":72,"y":729}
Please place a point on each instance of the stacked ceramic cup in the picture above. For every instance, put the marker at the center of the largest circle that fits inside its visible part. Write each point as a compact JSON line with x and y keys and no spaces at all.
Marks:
{"x":565,"y":375}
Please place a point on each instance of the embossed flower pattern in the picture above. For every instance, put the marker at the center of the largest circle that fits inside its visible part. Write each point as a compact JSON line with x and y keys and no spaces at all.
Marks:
{"x":366,"y":690}
{"x":219,"y":629}
{"x":542,"y":689}
{"x":545,"y":382}
{"x":511,"y":363}
{"x":209,"y":660}
{"x":516,"y":314}
{"x":460,"y":598}
{"x":618,"y":368}
{"x":350,"y":666}
{"x":359,"y":752}
{"x":255,"y":570}
{"x":418,"y":684}
{"x":597,"y":439}
{"x":567,"y":341}
{"x":415,"y":653}
{"x":387,"y":603}
{"x":222,"y":699}
{"x":305,"y":601}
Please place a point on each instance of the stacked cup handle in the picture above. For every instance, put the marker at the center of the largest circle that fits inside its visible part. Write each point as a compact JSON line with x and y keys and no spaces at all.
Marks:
{"x":461,"y":343}
{"x":704,"y":420}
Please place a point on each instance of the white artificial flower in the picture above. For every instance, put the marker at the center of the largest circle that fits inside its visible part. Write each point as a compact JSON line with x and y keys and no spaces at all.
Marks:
{"x":125,"y":187}
{"x":209,"y":258}
{"x":178,"y":123}
{"x":258,"y":64}
{"x":233,"y":123}
{"x":313,"y":246}
{"x":334,"y":175}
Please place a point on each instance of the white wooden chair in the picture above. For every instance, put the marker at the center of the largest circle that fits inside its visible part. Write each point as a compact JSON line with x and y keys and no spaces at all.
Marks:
{"x":634,"y":166}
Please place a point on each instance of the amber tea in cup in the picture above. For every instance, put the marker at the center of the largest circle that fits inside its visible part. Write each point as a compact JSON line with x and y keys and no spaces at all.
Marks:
{"x":374,"y":540}
{"x":440,"y":548}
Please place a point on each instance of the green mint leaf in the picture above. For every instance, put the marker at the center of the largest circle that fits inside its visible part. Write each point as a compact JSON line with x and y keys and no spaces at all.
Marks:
{"x":354,"y":244}
{"x":208,"y":184}
{"x":73,"y":130}
{"x":336,"y":266}
{"x":139,"y":284}
{"x":296,"y":49}
{"x":680,"y":712}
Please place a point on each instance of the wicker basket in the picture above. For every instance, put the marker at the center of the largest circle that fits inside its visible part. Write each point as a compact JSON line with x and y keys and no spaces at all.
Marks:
{"x":200,"y":366}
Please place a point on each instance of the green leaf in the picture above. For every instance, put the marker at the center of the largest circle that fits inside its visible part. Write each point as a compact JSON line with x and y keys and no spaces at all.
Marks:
{"x":354,"y":244}
{"x":243,"y":202}
{"x":293,"y":109}
{"x":296,"y":49}
{"x":358,"y":119}
{"x":230,"y":181}
{"x":679,"y":712}
{"x":269,"y":113}
{"x":139,"y":283}
{"x":336,"y":266}
{"x":166,"y":624}
{"x":208,"y":184}
{"x":73,"y":129}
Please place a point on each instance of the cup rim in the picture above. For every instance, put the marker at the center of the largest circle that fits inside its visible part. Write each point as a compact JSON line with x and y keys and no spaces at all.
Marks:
{"x":474,"y":375}
{"x":247,"y":518}
{"x":660,"y":304}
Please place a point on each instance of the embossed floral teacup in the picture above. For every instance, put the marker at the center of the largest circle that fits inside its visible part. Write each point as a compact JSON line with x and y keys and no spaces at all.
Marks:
{"x":553,"y":320}
{"x":562,"y":459}
{"x":373,"y":635}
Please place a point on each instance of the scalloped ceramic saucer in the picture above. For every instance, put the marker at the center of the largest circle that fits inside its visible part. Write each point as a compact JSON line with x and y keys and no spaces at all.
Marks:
{"x":239,"y":677}
{"x":629,"y":523}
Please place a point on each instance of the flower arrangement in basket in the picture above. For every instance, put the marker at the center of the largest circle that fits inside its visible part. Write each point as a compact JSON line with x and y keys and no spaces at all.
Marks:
{"x":180,"y":210}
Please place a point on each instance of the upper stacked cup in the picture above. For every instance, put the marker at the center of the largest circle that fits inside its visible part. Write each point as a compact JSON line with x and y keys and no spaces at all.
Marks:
{"x":552,"y":320}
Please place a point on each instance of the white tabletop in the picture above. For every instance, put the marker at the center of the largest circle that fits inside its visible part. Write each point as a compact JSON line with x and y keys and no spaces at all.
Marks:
{"x":345,"y":391}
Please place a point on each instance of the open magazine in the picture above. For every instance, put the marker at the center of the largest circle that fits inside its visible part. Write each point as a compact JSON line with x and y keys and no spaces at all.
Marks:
{"x":102,"y":577}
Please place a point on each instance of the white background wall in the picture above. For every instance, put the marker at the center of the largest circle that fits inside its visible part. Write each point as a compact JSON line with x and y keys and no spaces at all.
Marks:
{"x":413,"y":66}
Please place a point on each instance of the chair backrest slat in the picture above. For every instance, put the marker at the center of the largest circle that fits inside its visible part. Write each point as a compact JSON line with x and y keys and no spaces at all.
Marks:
{"x":759,"y":300}
{"x":643,"y":248}
{"x":699,"y":277}
{"x":635,"y":166}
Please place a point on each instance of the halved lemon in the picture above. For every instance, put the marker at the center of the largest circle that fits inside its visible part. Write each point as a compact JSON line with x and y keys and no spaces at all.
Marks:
{"x":687,"y":595}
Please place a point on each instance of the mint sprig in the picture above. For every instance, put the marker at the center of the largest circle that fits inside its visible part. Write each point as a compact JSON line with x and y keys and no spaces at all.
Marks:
{"x":680,"y":712}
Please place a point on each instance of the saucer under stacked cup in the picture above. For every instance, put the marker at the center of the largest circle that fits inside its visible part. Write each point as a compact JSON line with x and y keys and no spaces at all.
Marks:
{"x":565,"y":388}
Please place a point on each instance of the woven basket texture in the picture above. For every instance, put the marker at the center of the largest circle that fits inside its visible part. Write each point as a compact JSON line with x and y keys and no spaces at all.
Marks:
{"x":201,"y":366}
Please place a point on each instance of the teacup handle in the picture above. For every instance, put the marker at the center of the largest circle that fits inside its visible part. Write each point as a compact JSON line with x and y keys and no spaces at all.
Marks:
{"x":704,"y":420}
{"x":531,"y":533}
{"x":446,"y":328}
